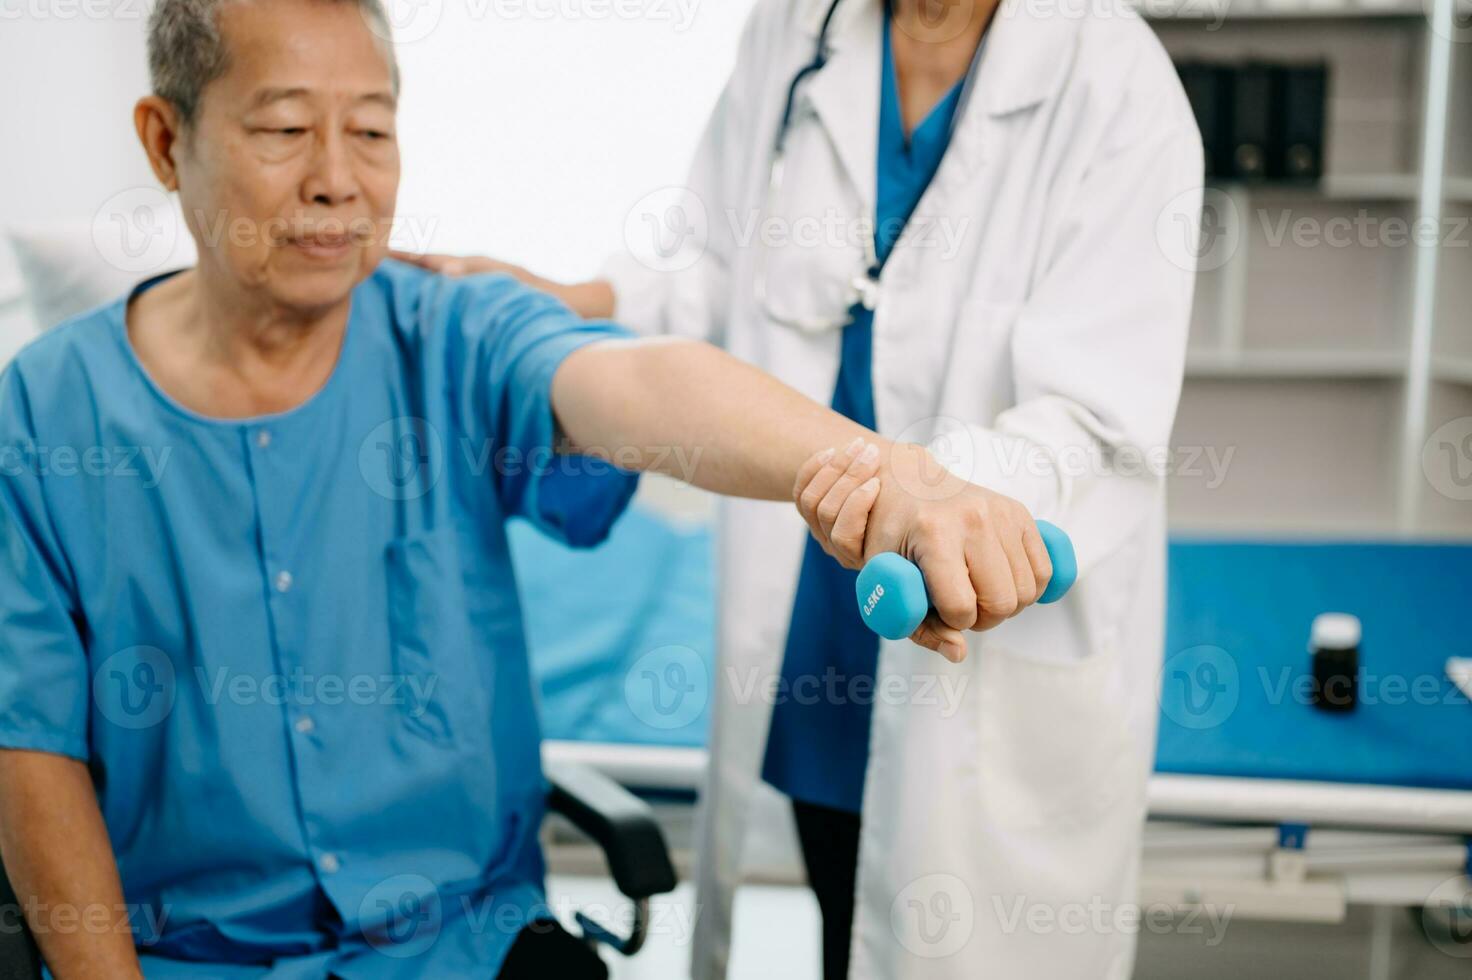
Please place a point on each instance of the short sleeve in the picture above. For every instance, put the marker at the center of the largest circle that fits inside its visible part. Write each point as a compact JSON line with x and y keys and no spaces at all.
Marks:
{"x":513,"y":339}
{"x":44,"y":682}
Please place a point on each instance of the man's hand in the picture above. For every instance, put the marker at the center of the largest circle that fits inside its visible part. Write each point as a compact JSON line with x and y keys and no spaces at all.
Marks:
{"x":982,"y":556}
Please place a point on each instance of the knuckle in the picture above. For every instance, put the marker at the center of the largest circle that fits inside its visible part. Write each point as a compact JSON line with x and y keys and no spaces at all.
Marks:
{"x":828,"y":511}
{"x":808,"y":500}
{"x":1002,"y":604}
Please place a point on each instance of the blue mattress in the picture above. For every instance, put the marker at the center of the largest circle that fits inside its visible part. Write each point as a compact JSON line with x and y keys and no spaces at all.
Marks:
{"x":625,"y":656}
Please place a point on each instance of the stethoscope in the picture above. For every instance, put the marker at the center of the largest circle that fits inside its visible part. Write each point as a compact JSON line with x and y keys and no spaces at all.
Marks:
{"x":864,"y":285}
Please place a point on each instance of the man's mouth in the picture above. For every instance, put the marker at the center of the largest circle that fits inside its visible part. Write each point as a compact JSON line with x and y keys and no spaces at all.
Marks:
{"x":322,"y":245}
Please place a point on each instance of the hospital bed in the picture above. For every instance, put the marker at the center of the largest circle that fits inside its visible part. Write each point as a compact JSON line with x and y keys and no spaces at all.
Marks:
{"x":1261,"y":804}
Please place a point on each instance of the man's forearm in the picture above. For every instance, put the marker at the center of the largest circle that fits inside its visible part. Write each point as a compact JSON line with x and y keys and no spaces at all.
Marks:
{"x":695,"y":413}
{"x":61,"y":865}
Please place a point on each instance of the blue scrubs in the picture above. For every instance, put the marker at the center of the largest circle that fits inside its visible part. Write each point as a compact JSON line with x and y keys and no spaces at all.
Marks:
{"x":818,"y":745}
{"x":290,"y":647}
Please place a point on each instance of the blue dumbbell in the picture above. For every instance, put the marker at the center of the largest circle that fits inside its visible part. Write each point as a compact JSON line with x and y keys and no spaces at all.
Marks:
{"x":892,"y":596}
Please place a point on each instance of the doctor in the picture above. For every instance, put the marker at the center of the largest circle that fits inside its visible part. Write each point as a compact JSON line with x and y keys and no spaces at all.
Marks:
{"x":997,"y":272}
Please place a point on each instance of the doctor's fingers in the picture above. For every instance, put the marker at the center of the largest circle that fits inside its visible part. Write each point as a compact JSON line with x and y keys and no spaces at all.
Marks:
{"x":936,"y":635}
{"x":816,"y":477}
{"x":993,"y":577}
{"x":863,"y":468}
{"x":846,"y":539}
{"x":456,"y":265}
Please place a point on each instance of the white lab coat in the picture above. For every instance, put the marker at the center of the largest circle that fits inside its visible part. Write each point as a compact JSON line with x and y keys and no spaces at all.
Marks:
{"x":1039,"y":349}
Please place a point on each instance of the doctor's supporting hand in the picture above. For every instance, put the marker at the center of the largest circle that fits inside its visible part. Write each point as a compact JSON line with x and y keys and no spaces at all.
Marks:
{"x":591,"y":300}
{"x":840,"y":495}
{"x":980,"y":551}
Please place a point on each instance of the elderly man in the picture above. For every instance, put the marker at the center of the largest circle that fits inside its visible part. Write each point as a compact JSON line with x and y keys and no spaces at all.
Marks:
{"x":261,"y":696}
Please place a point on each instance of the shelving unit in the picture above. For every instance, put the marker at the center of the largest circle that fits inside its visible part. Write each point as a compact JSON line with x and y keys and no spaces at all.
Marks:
{"x":1331,"y":342}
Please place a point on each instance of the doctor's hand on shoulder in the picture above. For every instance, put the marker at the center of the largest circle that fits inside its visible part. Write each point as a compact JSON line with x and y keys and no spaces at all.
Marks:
{"x":864,"y":500}
{"x":589,"y":300}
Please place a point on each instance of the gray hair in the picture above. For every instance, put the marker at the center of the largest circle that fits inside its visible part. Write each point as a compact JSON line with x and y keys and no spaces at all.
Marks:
{"x":186,"y":52}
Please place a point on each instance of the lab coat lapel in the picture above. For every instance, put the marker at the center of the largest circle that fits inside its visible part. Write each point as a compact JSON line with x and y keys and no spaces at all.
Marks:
{"x":845,"y":93}
{"x":1022,"y":67}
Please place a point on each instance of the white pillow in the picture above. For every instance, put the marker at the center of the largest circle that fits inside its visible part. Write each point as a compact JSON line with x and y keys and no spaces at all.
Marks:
{"x":68,"y":267}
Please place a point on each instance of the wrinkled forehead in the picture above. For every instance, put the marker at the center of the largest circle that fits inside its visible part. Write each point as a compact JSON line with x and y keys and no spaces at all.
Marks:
{"x":304,"y":49}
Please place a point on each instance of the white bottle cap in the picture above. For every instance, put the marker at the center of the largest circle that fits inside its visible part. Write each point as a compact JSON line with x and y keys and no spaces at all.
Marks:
{"x":1335,"y":631}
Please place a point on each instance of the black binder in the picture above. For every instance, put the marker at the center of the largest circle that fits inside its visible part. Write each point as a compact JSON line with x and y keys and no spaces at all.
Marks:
{"x":1303,"y":98}
{"x":1209,"y":89}
{"x":1255,"y":145}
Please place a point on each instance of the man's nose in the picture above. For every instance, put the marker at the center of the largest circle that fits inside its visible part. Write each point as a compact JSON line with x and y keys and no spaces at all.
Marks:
{"x":331,"y":179}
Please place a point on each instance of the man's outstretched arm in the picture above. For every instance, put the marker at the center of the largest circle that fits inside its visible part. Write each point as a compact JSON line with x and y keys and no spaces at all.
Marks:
{"x":695,"y":413}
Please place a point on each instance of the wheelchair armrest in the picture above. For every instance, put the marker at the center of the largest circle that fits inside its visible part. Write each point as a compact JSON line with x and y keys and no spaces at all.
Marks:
{"x":621,"y":823}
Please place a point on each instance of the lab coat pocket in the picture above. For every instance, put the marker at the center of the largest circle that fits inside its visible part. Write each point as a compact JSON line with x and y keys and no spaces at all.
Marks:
{"x":1053,"y":746}
{"x":810,"y":238}
{"x":429,"y":630}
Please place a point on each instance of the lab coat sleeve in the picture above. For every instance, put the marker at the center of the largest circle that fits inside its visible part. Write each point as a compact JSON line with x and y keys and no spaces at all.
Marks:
{"x":673,"y":275}
{"x":1098,"y":347}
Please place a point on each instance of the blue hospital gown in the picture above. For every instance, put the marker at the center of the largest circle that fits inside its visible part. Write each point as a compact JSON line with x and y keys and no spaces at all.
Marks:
{"x":290,"y":648}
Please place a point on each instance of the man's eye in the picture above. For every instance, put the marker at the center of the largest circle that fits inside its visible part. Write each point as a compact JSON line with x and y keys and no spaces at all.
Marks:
{"x":373,"y":134}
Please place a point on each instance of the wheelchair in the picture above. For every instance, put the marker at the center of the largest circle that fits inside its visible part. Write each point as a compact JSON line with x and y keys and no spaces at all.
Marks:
{"x":621,"y":824}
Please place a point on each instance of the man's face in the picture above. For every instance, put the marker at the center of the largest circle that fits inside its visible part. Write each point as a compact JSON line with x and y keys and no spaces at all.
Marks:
{"x":290,"y":176}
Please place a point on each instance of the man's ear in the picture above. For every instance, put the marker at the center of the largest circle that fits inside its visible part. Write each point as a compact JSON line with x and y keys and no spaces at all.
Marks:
{"x":159,"y":130}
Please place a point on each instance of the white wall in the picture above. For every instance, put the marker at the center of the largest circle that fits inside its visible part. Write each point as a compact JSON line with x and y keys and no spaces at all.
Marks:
{"x":526,"y":135}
